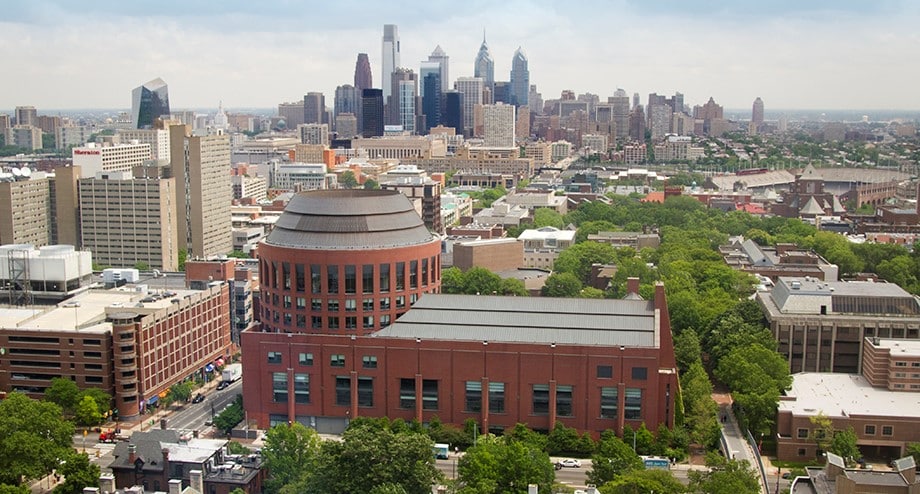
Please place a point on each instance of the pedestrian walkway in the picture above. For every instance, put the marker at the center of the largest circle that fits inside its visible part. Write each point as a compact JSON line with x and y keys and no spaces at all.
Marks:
{"x":738,"y":448}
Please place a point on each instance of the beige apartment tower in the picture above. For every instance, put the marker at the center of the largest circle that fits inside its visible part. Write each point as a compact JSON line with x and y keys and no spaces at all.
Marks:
{"x":126,"y":221}
{"x":25,"y":210}
{"x":201,"y":166}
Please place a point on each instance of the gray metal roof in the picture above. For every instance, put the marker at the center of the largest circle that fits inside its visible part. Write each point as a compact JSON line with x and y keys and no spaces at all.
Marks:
{"x":541,"y":320}
{"x":349,"y":220}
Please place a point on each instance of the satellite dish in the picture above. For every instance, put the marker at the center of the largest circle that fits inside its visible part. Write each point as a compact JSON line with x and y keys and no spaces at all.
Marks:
{"x":16,"y":172}
{"x":26,"y":171}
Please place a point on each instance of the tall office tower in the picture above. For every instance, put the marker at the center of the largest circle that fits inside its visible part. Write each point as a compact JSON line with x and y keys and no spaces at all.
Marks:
{"x":659,"y":120}
{"x":149,"y":102}
{"x":471,"y":87}
{"x":498,"y":125}
{"x":314,"y":108}
{"x":620,"y":113}
{"x":201,"y":165}
{"x":453,"y":110}
{"x":501,"y":92}
{"x":93,"y":158}
{"x":26,"y":115}
{"x":677,"y":102}
{"x":292,"y":113}
{"x":157,"y":138}
{"x":363,"y":75}
{"x":484,"y":67}
{"x":522,"y":125}
{"x":635,"y":101}
{"x":347,"y":100}
{"x":4,"y":121}
{"x":520,"y":78}
{"x":314,"y":134}
{"x":346,"y":125}
{"x":401,"y":104}
{"x":430,"y":87}
{"x":439,"y":56}
{"x":126,"y":220}
{"x":535,"y":100}
{"x":637,"y":124}
{"x":711,"y":110}
{"x":757,"y":111}
{"x":372,"y":112}
{"x":390,"y":59}
{"x":25,"y":211}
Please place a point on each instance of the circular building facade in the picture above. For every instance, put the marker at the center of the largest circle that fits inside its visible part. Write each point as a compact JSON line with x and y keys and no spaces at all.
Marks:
{"x":346,"y":262}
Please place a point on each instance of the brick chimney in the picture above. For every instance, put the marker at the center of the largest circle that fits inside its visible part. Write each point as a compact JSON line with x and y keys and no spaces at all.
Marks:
{"x":107,"y":483}
{"x":196,"y":480}
{"x":132,"y":453}
{"x":175,"y":486}
{"x":632,"y":285}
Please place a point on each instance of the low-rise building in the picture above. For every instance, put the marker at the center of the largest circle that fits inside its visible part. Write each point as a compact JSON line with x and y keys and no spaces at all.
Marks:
{"x":836,"y":478}
{"x":542,"y":246}
{"x":783,"y":260}
{"x":499,"y":254}
{"x":636,"y":240}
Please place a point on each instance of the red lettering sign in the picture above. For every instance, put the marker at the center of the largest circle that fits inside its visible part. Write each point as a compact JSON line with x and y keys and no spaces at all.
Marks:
{"x":86,"y":151}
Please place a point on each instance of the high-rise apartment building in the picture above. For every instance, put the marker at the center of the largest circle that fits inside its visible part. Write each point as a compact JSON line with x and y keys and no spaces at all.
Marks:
{"x":314,"y":108}
{"x":24,"y":136}
{"x":471,"y":87}
{"x":364,"y":78}
{"x":390,"y":59}
{"x":484,"y":66}
{"x":26,"y":115}
{"x":314,"y":133}
{"x":94,"y":158}
{"x":372,"y":116}
{"x":158,"y":139}
{"x":201,"y":165}
{"x":535,"y":100}
{"x":126,"y":221}
{"x":637,"y":124}
{"x":401,"y":104}
{"x":757,"y":111}
{"x":25,"y":211}
{"x":620,"y":112}
{"x":635,"y":100}
{"x":439,"y":56}
{"x":520,"y":78}
{"x":149,"y":102}
{"x":4,"y":122}
{"x":292,"y":113}
{"x":498,"y":125}
{"x":659,"y":120}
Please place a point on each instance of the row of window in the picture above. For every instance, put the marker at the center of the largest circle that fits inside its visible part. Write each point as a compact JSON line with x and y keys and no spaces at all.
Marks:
{"x":334,"y":305}
{"x":868,"y":430}
{"x":473,"y":400}
{"x":280,"y":275}
{"x":332,"y":322}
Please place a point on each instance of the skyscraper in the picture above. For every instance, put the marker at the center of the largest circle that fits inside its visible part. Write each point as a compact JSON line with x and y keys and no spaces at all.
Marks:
{"x":363,"y":75}
{"x":314,"y":108}
{"x":471,"y":87}
{"x":26,"y":115}
{"x":402,"y":103}
{"x":620,"y":112}
{"x":443,"y":60}
{"x":201,"y":165}
{"x":757,"y":111}
{"x":498,"y":125}
{"x":390,"y":59}
{"x":453,"y":110}
{"x":149,"y":102}
{"x":520,"y":78}
{"x":430,"y":88}
{"x":372,"y":112}
{"x":484,"y":67}
{"x":346,"y":99}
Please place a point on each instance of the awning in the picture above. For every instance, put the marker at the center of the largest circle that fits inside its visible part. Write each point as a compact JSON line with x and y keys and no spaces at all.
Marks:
{"x":164,"y":393}
{"x":153,"y":399}
{"x":209,"y":368}
{"x":219,"y":361}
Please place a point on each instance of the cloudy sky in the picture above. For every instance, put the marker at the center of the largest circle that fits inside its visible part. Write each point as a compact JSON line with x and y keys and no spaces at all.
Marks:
{"x":795,"y":54}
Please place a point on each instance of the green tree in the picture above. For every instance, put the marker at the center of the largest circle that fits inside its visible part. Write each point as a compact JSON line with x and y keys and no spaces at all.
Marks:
{"x":183,"y":255}
{"x":844,"y":445}
{"x":644,"y":482}
{"x":514,"y":287}
{"x":348,"y":180}
{"x":289,"y":452}
{"x":503,"y":465}
{"x":78,"y":473}
{"x":562,"y":285}
{"x":578,"y":259}
{"x":371,"y":184}
{"x":522,"y":433}
{"x":724,"y":477}
{"x":823,"y":431}
{"x":34,"y":438}
{"x":235,"y":448}
{"x":232,"y":415}
{"x":547,"y":217}
{"x":913,"y":449}
{"x":181,"y":391}
{"x":612,"y":459}
{"x":87,"y":412}
{"x":479,"y":280}
{"x":700,"y":410}
{"x":63,"y":392}
{"x":142,"y":266}
{"x":14,"y":489}
{"x":452,"y":280}
{"x":103,"y":400}
{"x":687,"y":349}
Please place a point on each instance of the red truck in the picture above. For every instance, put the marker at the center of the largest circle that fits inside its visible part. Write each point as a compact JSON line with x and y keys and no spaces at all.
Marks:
{"x":111,"y":437}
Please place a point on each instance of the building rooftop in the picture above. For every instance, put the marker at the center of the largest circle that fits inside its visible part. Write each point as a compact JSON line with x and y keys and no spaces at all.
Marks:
{"x":905,"y":348}
{"x":573,"y":321}
{"x":807,"y":295}
{"x":845,"y":395}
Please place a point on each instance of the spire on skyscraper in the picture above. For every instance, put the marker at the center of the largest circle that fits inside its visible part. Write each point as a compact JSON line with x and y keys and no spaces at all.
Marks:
{"x":485,"y":65}
{"x":363,"y":75}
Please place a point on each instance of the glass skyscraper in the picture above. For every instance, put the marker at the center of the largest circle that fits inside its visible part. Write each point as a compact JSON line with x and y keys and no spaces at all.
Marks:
{"x":520,"y":78}
{"x":149,"y":102}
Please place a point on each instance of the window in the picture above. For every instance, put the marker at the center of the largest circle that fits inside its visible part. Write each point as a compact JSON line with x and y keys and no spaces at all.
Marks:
{"x":564,"y":400}
{"x":633,"y":403}
{"x":274,"y":357}
{"x":473,"y":401}
{"x":316,"y":283}
{"x":413,"y":274}
{"x":425,"y":272}
{"x":351,"y":322}
{"x":640,"y":373}
{"x":351,"y":282}
{"x":287,"y":301}
{"x":343,"y":391}
{"x":286,"y":271}
{"x":429,"y":394}
{"x":301,"y":388}
{"x":870,"y":430}
{"x":332,"y":305}
{"x":287,"y":319}
{"x":316,"y":304}
{"x":401,"y":302}
{"x":604,"y":371}
{"x":316,"y":322}
{"x":900,"y":364}
{"x":384,"y":278}
{"x":384,"y":320}
{"x":385,"y":303}
{"x":801,"y":452}
{"x":367,"y":322}
{"x":368,"y":304}
{"x":540,"y":399}
{"x":351,"y":305}
{"x":802,"y":433}
{"x":496,"y":397}
{"x":367,"y":278}
{"x":301,"y":321}
{"x":369,"y":362}
{"x":305,"y":359}
{"x":365,"y":391}
{"x":301,"y":303}
{"x":400,"y":276}
{"x":332,"y":323}
{"x":609,"y":404}
{"x":406,"y":393}
{"x":279,"y":387}
{"x":332,"y":278}
{"x":301,"y":279}
{"x":337,"y":360}
{"x":887,"y":430}
{"x":413,"y":298}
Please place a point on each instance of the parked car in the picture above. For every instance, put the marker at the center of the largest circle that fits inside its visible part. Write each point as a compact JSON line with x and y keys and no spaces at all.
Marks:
{"x":222,"y":385}
{"x":198,"y":398}
{"x":570,"y":463}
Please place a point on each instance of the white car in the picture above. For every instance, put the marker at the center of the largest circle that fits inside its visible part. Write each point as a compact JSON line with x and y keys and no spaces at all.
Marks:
{"x":570,"y":463}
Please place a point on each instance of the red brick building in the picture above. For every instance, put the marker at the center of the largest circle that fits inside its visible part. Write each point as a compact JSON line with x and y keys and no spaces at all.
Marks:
{"x":589,"y":364}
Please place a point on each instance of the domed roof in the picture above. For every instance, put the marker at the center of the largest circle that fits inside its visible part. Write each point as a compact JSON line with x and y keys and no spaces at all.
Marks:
{"x":345,"y":219}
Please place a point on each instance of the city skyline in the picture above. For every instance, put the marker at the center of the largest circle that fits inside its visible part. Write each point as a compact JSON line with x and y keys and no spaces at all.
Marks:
{"x":819,"y":55}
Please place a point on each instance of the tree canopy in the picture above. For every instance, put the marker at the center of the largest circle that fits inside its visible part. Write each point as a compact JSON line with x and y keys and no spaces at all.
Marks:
{"x":499,"y":464}
{"x":34,"y":438}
